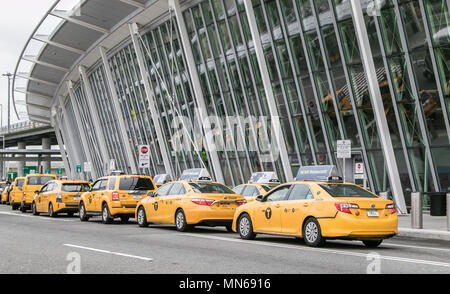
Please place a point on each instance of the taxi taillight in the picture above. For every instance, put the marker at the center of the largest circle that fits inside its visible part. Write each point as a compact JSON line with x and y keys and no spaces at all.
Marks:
{"x":58,"y":197}
{"x":345,"y":207}
{"x":392,"y":207}
{"x":205,"y":202}
{"x":241,"y":202}
{"x":115,"y":196}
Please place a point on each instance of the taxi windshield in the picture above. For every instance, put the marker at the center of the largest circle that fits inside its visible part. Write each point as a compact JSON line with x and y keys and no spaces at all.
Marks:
{"x":20,"y":183}
{"x":343,"y":190}
{"x":204,"y":188}
{"x":75,"y":187}
{"x":135,"y":184}
{"x":39,"y":180}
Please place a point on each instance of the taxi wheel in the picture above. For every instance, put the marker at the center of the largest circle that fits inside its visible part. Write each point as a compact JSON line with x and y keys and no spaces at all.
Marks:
{"x":22,"y":208}
{"x":312,"y":233}
{"x":106,"y":215}
{"x":33,"y":208}
{"x":180,"y":221}
{"x":14,"y":206}
{"x":142,"y":217}
{"x":372,"y":243}
{"x":51,"y":212}
{"x":82,"y":212}
{"x":245,"y":227}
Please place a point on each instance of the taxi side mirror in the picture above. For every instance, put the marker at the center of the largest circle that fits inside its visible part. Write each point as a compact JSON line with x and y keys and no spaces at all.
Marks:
{"x":37,"y":192}
{"x":259,"y":198}
{"x":151,"y":194}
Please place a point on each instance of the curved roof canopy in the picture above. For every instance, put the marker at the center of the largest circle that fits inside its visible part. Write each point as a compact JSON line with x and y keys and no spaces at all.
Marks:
{"x":76,"y":26}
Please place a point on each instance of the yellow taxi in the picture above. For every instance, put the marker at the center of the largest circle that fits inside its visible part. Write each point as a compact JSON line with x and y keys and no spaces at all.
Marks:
{"x":15,"y":196}
{"x":259,"y":184}
{"x":59,"y":197}
{"x":317,"y":209}
{"x":161,"y":179}
{"x":193,"y":200}
{"x":33,"y":183}
{"x":115,"y":196}
{"x":5,"y":193}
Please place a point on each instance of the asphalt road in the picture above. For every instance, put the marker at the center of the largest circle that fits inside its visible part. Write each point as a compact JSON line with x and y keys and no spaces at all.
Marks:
{"x":39,"y":244}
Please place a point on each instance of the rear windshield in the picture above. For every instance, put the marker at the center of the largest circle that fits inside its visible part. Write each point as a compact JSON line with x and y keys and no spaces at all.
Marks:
{"x":343,"y":190}
{"x":210,"y":188}
{"x":39,"y":180}
{"x":135,"y":184}
{"x":75,"y":187}
{"x":20,"y":183}
{"x":2,"y":185}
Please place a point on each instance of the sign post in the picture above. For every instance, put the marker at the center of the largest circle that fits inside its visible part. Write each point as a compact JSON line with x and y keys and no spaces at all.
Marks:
{"x":144,"y":156}
{"x":344,"y":151}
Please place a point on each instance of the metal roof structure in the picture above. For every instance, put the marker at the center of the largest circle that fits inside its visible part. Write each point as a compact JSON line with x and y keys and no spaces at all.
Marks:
{"x":79,"y":30}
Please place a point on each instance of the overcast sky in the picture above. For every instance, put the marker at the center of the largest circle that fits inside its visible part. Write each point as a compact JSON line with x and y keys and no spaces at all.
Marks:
{"x":18,"y":19}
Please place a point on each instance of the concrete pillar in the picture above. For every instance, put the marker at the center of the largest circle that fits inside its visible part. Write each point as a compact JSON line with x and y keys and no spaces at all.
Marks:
{"x":21,"y":164}
{"x":46,"y":163}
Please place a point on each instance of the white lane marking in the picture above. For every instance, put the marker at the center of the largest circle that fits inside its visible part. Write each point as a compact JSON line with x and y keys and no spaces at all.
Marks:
{"x":416,"y":247}
{"x":109,"y":252}
{"x":34,"y":216}
{"x":322,"y":250}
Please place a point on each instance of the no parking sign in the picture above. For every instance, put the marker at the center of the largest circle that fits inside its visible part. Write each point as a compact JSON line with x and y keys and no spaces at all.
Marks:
{"x":144,"y":156}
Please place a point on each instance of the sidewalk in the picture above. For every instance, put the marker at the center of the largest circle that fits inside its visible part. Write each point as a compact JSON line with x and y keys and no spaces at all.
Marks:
{"x":434,"y":227}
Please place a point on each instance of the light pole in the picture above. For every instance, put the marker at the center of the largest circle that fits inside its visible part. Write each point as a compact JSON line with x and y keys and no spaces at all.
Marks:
{"x":9,"y":75}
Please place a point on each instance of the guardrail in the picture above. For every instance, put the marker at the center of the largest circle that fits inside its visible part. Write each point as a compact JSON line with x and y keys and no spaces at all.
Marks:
{"x":21,"y":126}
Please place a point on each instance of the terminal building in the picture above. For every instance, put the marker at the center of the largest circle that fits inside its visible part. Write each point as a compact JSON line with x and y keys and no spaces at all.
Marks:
{"x":300,"y":75}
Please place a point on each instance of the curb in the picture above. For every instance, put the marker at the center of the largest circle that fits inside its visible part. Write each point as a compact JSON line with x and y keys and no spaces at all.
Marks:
{"x":424,"y":234}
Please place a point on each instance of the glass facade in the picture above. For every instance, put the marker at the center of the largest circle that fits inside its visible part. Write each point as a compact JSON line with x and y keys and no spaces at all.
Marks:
{"x":317,"y":78}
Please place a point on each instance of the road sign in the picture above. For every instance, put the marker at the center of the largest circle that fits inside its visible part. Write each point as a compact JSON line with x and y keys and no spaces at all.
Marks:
{"x":144,"y":156}
{"x":47,"y":171}
{"x":359,"y":168}
{"x":79,"y":169}
{"x":87,"y":166}
{"x":59,"y":171}
{"x":344,"y":149}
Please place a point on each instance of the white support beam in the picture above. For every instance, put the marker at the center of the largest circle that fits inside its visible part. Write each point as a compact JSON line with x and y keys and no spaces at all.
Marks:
{"x":271,"y":102}
{"x":28,"y":77}
{"x":80,"y":126}
{"x":162,"y":140}
{"x":39,"y":119}
{"x":95,"y":116}
{"x":33,"y":59}
{"x":198,"y":93}
{"x":64,"y":153}
{"x":64,"y":15}
{"x":46,"y":39}
{"x":134,"y":3}
{"x":122,"y":126}
{"x":34,"y":94}
{"x":377,"y":104}
{"x":37,"y":106}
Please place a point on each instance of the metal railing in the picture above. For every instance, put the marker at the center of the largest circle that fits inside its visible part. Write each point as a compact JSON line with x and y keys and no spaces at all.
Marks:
{"x":21,"y":126}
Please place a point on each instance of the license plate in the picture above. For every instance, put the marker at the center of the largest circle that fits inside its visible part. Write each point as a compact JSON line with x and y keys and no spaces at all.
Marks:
{"x":137,"y":197}
{"x":76,"y":198}
{"x":372,"y":213}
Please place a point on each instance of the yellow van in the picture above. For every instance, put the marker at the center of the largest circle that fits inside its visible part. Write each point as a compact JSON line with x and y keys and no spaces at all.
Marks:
{"x":59,"y":197}
{"x":32,"y":184}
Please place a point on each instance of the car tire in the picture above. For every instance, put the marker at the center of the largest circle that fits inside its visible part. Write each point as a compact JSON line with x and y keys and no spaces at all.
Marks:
{"x":245,"y":227}
{"x":14,"y":206}
{"x":312,"y":234}
{"x":82,"y":212}
{"x":180,"y":221}
{"x":33,"y":209}
{"x":142,"y":217}
{"x":51,"y":212}
{"x":372,"y":243}
{"x":106,"y":215}
{"x":22,"y":208}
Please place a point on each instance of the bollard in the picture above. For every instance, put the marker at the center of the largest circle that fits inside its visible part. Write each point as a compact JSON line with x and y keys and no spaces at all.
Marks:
{"x":416,"y":210}
{"x":448,"y":212}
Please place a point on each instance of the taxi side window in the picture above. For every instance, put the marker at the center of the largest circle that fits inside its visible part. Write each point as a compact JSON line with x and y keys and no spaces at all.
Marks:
{"x":248,"y":192}
{"x":238,"y":190}
{"x":103,"y":185}
{"x":300,"y":192}
{"x":278,"y":194}
{"x":44,"y":189}
{"x":164,"y":190}
{"x":112,"y":184}
{"x":177,"y":189}
{"x":96,"y":185}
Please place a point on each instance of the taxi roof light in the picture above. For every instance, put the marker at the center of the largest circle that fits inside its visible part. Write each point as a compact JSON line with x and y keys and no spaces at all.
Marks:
{"x":162,"y":179}
{"x":197,"y":174}
{"x":264,"y":178}
{"x":319,"y":173}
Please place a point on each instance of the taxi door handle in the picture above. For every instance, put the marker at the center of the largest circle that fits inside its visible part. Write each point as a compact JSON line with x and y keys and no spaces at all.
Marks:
{"x":305,"y":204}
{"x":178,"y":198}
{"x":277,"y":206}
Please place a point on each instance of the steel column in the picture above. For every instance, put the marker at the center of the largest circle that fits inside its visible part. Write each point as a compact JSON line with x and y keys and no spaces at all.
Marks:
{"x":62,"y":149}
{"x":267,"y":86}
{"x":206,"y":124}
{"x":377,"y":104}
{"x":116,"y":105}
